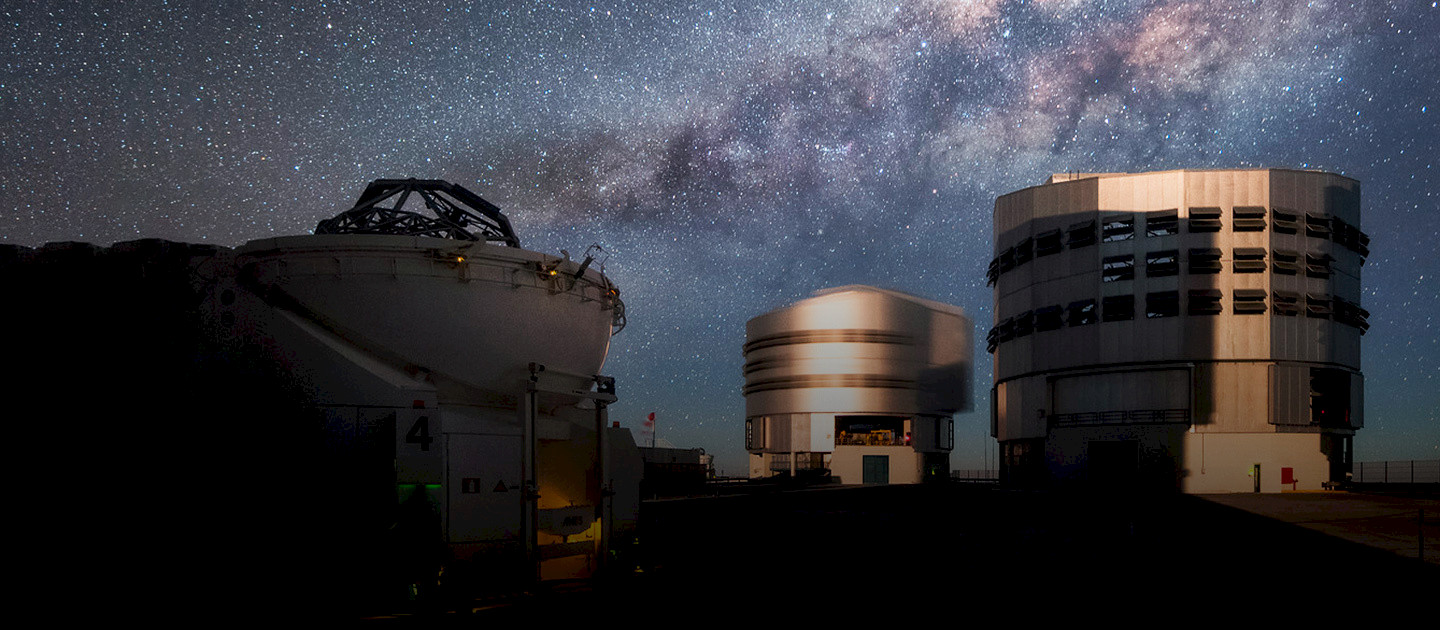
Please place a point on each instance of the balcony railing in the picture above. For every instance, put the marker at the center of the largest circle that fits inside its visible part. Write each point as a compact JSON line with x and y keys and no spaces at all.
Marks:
{"x":873,"y":438}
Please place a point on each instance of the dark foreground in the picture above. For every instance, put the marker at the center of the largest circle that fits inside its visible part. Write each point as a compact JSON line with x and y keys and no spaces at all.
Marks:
{"x":828,"y":554}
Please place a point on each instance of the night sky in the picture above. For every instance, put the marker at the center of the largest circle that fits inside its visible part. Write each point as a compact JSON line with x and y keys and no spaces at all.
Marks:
{"x":732,"y":156}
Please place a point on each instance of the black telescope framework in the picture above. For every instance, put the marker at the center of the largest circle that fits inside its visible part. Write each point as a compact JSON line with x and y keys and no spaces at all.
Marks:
{"x":460,"y":214}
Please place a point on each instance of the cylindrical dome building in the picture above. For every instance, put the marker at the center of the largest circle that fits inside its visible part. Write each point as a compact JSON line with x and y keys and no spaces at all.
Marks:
{"x":1194,"y":330}
{"x":857,"y":381}
{"x":393,"y":396}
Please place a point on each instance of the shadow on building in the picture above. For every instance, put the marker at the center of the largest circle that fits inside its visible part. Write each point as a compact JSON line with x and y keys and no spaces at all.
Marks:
{"x":1183,"y":330}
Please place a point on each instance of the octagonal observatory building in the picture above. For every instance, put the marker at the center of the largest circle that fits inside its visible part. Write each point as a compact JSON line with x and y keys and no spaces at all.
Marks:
{"x":1193,"y":329}
{"x":857,"y":382}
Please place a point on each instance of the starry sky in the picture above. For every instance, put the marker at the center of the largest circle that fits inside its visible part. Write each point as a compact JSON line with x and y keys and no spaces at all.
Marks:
{"x":733,"y":156}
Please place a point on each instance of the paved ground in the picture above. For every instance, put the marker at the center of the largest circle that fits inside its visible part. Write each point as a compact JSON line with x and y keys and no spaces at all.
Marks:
{"x":1391,"y":523}
{"x":826,"y":555}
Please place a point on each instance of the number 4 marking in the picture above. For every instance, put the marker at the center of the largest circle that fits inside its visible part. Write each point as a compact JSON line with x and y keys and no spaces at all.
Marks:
{"x":420,"y":434}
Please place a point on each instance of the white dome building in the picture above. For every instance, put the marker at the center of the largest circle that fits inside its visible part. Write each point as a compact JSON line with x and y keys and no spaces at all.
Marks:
{"x":395,"y":390}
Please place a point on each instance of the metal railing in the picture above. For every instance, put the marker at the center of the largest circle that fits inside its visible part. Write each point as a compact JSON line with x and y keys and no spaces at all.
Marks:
{"x":780,"y":462}
{"x":1397,"y":471}
{"x":872,"y":438}
{"x":1134,"y":416}
{"x":976,"y":475}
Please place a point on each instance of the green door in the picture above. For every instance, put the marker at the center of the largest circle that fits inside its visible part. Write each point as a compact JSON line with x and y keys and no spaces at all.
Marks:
{"x":876,"y":469}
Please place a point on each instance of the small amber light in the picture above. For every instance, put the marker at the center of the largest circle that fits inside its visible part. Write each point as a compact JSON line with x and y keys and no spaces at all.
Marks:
{"x":459,"y":259}
{"x":553,"y":272}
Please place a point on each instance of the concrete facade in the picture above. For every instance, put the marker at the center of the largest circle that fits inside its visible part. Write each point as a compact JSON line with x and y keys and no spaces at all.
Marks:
{"x":1190,"y":330}
{"x":857,"y":382}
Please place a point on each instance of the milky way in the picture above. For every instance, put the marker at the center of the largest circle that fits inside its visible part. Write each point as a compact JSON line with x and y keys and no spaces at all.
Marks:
{"x":731,"y":156}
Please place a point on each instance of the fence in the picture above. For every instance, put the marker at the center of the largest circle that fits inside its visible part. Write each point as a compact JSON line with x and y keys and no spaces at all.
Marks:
{"x":780,"y":462}
{"x":1398,"y":471}
{"x":975,"y":475}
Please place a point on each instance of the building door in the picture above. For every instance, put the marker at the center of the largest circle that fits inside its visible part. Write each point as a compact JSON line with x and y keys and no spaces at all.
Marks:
{"x":876,"y":469}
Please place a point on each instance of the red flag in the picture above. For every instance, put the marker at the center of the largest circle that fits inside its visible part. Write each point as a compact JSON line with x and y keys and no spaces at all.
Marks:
{"x":650,"y":420}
